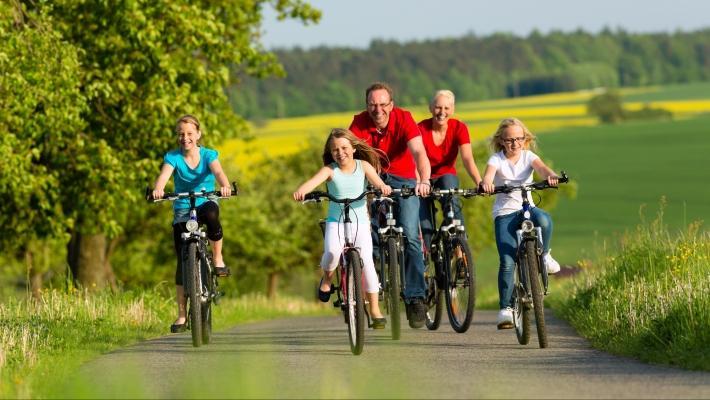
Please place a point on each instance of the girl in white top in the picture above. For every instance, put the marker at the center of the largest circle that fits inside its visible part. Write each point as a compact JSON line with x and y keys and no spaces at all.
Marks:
{"x":513,"y":164}
{"x":348,"y":161}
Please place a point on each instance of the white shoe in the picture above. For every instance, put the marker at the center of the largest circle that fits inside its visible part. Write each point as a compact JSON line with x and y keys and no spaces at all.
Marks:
{"x":551,"y":265}
{"x":505,"y":318}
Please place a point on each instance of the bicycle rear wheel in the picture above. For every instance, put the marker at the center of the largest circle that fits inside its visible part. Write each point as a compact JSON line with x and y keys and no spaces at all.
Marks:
{"x":393,"y":288}
{"x":532,"y":261}
{"x":193,"y":289}
{"x":460,"y":277}
{"x":522,"y":312}
{"x":354,"y":303}
{"x":434,"y":296}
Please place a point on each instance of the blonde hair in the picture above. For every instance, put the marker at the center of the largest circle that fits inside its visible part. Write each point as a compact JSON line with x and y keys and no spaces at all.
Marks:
{"x":363,"y":151}
{"x":442,"y":93}
{"x":189,"y":119}
{"x":497,"y":139}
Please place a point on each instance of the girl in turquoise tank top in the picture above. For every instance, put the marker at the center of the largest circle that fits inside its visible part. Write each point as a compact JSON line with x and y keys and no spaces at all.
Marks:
{"x":348,"y":163}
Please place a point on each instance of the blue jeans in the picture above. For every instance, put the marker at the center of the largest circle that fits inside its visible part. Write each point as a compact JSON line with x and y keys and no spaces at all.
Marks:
{"x":507,"y":242}
{"x":426,"y":220}
{"x":407,"y":215}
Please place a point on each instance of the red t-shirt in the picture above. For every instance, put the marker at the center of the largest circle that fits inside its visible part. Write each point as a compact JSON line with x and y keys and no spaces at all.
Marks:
{"x":401,"y":128}
{"x":443,"y":157}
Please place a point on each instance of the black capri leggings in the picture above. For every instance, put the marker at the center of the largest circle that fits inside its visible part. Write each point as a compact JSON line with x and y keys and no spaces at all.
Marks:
{"x":208,"y":214}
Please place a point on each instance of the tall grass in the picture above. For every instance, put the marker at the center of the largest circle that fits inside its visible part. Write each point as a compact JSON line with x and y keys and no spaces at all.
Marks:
{"x":651,"y":300}
{"x":43,"y":340}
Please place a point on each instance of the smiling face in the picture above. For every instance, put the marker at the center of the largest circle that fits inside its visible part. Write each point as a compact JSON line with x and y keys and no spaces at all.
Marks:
{"x":342,"y":151}
{"x":379,"y":107}
{"x":513,"y":140}
{"x":188,"y":135}
{"x":442,"y":108}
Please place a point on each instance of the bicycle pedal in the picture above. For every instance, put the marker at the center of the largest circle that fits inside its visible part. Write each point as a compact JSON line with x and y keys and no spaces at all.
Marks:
{"x":337,"y":303}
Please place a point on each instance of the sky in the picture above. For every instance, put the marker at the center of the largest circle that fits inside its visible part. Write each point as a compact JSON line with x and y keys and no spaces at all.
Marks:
{"x":356,"y":23}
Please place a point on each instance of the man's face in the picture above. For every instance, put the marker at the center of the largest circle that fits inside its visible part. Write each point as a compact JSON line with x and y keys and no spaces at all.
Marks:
{"x":379,"y":107}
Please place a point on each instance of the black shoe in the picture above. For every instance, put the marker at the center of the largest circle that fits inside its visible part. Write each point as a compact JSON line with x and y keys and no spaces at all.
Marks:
{"x":222,"y":272}
{"x":324,"y":296}
{"x":416,"y":313}
{"x":178,"y":328}
{"x":378,"y":323}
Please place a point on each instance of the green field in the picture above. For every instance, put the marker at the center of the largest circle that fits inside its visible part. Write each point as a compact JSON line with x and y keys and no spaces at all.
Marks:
{"x":622,"y":168}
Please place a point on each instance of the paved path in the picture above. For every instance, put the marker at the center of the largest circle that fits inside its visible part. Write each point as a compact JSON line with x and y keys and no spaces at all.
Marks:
{"x":310,"y":357}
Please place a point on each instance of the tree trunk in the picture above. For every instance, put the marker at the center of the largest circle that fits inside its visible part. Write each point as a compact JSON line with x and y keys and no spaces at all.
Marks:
{"x":272,"y":285}
{"x":87,"y":260}
{"x":34,"y":276}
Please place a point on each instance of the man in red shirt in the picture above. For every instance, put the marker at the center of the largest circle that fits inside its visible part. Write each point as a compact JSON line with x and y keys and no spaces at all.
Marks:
{"x":393,"y":130}
{"x":444,"y":139}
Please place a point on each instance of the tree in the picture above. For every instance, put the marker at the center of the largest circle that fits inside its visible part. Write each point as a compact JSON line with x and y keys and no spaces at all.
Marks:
{"x":607,"y":107}
{"x":39,"y":131}
{"x":144,"y":63}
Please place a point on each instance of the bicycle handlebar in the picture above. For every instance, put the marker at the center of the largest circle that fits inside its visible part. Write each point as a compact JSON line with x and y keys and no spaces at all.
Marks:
{"x":531,"y":186}
{"x":466,"y":193}
{"x":316,"y":196}
{"x":171,"y":196}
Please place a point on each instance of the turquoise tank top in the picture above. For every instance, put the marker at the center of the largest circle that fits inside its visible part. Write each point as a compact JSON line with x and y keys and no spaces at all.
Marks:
{"x":347,"y":186}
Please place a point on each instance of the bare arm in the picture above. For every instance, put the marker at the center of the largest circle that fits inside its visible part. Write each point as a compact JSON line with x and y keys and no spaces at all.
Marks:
{"x":375,"y":179}
{"x":221,"y":178}
{"x":545,"y":172}
{"x":159,"y":186}
{"x":469,"y":163}
{"x":488,"y":175}
{"x":308,"y":186}
{"x":416,"y":147}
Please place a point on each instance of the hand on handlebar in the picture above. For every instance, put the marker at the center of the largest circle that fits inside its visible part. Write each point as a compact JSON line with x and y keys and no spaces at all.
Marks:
{"x":225,"y":191}
{"x":158,"y":193}
{"x":488,"y":187}
{"x":422,"y":189}
{"x":553,"y":180}
{"x":385,"y":189}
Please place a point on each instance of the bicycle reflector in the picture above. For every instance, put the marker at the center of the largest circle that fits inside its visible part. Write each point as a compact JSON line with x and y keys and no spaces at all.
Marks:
{"x":527,"y":226}
{"x":191,"y":225}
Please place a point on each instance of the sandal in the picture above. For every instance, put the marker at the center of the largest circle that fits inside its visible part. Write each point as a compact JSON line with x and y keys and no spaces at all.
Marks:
{"x":222,"y":271}
{"x":378,"y":323}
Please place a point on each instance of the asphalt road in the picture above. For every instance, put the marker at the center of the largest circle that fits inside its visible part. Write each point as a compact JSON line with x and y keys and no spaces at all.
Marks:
{"x":310,"y":358}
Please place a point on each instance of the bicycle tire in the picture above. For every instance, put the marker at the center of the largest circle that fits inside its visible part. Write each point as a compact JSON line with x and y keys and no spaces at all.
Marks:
{"x":393,"y":288}
{"x":533,"y":265}
{"x":522,"y":313}
{"x":355,"y":306}
{"x":461,"y":284}
{"x":206,"y":317}
{"x":193,"y":289}
{"x":434,"y":299}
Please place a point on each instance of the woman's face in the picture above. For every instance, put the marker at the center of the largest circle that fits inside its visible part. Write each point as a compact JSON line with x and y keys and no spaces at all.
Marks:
{"x":188,"y":136}
{"x":441,"y":110}
{"x":342,"y":151}
{"x":513,"y":140}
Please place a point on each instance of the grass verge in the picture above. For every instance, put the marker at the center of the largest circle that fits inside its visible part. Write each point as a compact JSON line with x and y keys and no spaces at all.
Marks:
{"x":43,"y":340}
{"x":650,"y":301}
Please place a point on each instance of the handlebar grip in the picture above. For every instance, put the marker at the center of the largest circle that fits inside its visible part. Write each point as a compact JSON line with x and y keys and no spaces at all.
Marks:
{"x":235,"y":189}
{"x":564,"y":178}
{"x":314,"y":195}
{"x":148,"y":194}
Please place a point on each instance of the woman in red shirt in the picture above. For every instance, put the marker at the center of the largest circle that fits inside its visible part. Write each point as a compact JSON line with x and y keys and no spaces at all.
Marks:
{"x":444,"y":139}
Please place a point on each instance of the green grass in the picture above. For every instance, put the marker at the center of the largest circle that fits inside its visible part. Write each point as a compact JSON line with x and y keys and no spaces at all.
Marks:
{"x":42,"y":341}
{"x":685,"y":91}
{"x":650,"y":300}
{"x":621,"y":168}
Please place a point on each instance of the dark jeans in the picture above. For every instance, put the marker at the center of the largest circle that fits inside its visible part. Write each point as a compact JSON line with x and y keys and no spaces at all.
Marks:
{"x":507,"y":242}
{"x":407,"y":215}
{"x":426,"y":220}
{"x":208,"y":214}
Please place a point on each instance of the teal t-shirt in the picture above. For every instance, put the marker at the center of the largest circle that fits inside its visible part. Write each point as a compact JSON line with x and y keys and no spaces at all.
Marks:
{"x":347,"y":186}
{"x":191,"y":179}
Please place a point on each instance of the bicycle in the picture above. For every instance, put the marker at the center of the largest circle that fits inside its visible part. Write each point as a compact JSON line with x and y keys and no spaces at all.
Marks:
{"x":198,"y":276}
{"x":392,"y":242}
{"x":530,"y":270}
{"x":349,"y":271}
{"x":450,"y":267}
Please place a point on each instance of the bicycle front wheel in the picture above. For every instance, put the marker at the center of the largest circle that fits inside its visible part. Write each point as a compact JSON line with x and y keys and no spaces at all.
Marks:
{"x":434,"y":296}
{"x":522,"y":312}
{"x":355,"y":306}
{"x":393,"y":288}
{"x":193,"y":289}
{"x":461,"y":285}
{"x":532,"y":261}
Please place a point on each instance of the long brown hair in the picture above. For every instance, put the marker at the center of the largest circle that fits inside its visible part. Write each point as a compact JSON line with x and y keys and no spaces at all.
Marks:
{"x":363,"y":151}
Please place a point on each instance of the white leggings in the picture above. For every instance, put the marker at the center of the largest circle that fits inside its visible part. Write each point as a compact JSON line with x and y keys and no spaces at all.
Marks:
{"x":333,"y":248}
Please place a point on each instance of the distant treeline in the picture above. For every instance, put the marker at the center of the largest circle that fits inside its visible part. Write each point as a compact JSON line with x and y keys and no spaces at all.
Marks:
{"x":326,"y":79}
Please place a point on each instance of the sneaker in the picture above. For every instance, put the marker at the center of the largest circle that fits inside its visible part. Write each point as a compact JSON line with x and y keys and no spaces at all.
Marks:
{"x":416,"y":313}
{"x":551,"y":265}
{"x":505,"y":318}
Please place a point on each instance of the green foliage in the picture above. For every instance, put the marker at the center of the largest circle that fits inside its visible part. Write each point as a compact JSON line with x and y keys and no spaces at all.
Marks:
{"x":651,"y":299}
{"x":607,"y":107}
{"x":476,"y":68}
{"x":648,"y":112}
